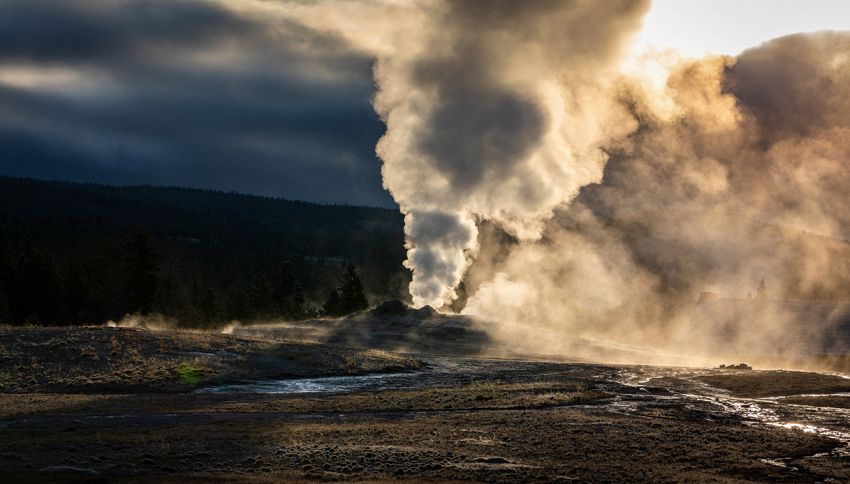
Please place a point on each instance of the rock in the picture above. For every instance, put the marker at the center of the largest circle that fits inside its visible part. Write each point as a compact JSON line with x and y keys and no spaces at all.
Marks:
{"x":392,"y":307}
{"x":424,"y":312}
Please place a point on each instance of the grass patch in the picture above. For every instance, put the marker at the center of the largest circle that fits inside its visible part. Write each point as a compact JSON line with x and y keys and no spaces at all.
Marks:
{"x":189,"y":373}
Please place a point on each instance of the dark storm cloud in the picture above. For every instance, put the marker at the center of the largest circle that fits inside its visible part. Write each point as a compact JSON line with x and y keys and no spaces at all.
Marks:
{"x":187,"y":93}
{"x":46,"y":30}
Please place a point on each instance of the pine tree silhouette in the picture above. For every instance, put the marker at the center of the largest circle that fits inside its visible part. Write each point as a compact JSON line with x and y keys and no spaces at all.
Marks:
{"x":236,"y":304}
{"x":75,"y":289}
{"x":35,"y":293}
{"x":209,"y":306}
{"x":332,"y":304}
{"x":283,"y":285}
{"x":7,"y":268}
{"x":351,"y":293}
{"x":5,"y":310}
{"x":140,"y":272}
{"x":260,"y":297}
{"x":297,"y":310}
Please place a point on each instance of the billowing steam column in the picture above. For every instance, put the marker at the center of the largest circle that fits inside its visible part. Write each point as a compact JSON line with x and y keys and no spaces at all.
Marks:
{"x":439,"y":255}
{"x":495,"y":110}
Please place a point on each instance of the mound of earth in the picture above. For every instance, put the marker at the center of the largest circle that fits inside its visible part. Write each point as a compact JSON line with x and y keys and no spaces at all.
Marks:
{"x":393,"y":326}
{"x":395,"y":308}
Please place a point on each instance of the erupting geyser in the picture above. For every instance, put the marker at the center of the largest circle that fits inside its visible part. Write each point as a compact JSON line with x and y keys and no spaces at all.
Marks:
{"x":547,"y":179}
{"x":496,"y":111}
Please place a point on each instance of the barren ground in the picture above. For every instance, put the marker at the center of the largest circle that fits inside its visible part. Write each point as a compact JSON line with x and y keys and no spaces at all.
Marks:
{"x":444,"y":419}
{"x":116,"y":360}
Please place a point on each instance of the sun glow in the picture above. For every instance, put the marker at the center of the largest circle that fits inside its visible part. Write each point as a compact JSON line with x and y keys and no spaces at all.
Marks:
{"x":699,"y":27}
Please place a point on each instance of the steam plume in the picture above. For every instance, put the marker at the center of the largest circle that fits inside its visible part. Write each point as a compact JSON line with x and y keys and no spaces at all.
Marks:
{"x":543,"y":186}
{"x":742,"y":179}
{"x":496,"y":112}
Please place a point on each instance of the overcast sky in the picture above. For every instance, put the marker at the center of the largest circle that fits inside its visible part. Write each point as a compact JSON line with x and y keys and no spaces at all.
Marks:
{"x":178,"y":92}
{"x":215,"y":95}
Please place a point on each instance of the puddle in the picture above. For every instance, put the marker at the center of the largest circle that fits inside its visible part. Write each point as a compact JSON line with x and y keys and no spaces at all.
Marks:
{"x":329,"y":384}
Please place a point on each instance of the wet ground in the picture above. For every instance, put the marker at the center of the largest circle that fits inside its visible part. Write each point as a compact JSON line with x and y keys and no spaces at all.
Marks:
{"x":631,"y":390}
{"x":491,"y":420}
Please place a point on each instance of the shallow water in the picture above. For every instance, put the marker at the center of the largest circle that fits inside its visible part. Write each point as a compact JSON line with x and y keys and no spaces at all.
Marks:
{"x":440,"y":371}
{"x":770,"y":411}
{"x":330,"y":384}
{"x":636,"y":391}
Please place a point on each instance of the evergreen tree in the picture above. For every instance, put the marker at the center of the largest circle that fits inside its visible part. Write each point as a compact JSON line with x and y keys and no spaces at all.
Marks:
{"x":91,"y":280}
{"x":351,"y":294}
{"x":260,"y":297}
{"x":35,"y":292}
{"x":7,"y":264}
{"x":297,"y":308}
{"x":166,"y":299}
{"x":283,"y":290}
{"x":140,"y":276}
{"x":7,"y":268}
{"x":209,"y":306}
{"x":332,"y":304}
{"x":203,"y":301}
{"x":287,"y":295}
{"x":5,"y":310}
{"x":75,"y":289}
{"x":196,"y":294}
{"x":236,"y":304}
{"x":310,"y":311}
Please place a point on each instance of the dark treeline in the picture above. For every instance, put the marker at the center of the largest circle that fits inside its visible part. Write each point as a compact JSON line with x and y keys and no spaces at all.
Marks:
{"x":86,"y":254}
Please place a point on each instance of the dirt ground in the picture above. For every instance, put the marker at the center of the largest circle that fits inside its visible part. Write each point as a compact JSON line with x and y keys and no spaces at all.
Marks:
{"x":116,"y":360}
{"x":450,"y":419}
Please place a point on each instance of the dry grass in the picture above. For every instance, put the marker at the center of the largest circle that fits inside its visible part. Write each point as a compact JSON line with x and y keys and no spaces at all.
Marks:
{"x":542,"y":423}
{"x":818,"y":401}
{"x":757,"y":384}
{"x":137,"y":360}
{"x":279,"y":438}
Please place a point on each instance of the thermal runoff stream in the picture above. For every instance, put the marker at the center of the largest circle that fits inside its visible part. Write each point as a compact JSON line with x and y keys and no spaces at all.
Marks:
{"x":638,"y":391}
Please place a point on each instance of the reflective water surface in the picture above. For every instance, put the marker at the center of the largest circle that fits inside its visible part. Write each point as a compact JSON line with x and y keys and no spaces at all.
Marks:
{"x":636,"y":390}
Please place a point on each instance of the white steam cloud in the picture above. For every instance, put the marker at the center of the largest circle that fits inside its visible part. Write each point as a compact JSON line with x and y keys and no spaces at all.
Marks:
{"x":545,"y":186}
{"x":496,"y":111}
{"x":739,"y":174}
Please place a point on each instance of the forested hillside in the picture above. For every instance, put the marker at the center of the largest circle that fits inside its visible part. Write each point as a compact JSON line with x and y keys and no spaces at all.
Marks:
{"x":72,"y":253}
